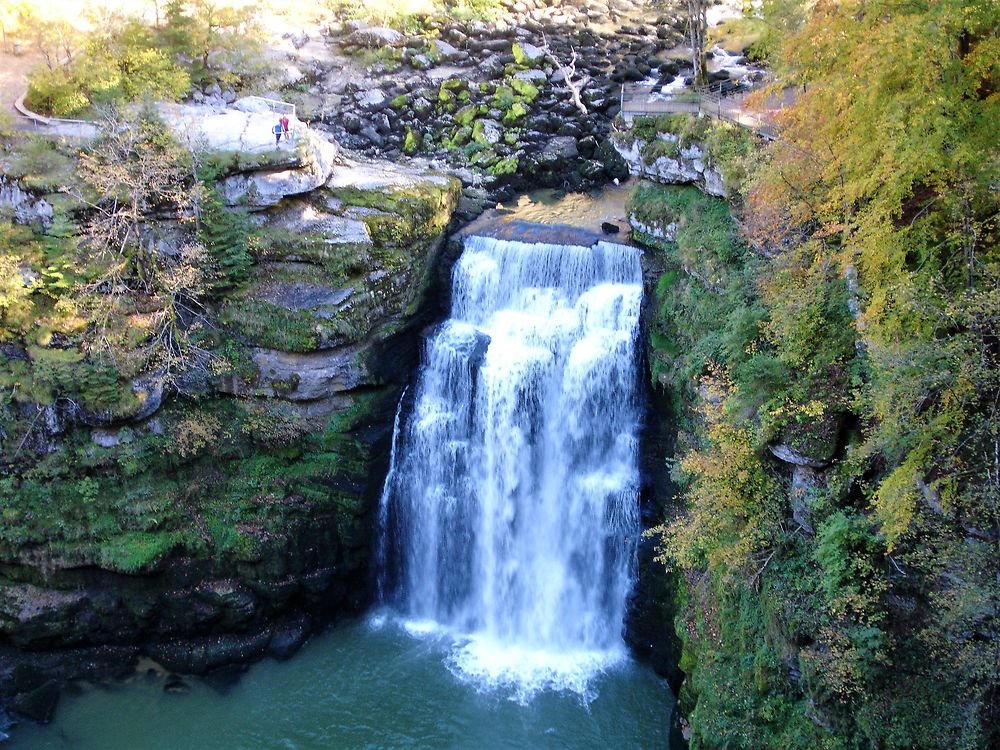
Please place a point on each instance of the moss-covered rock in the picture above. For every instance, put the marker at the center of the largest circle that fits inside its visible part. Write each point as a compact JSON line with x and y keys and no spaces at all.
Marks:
{"x":163,"y":522}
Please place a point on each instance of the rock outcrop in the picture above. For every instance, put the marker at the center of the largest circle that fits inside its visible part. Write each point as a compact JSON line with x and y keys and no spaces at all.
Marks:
{"x":209,"y":562}
{"x":688,"y":165}
{"x":26,"y":208}
{"x":266,"y":169}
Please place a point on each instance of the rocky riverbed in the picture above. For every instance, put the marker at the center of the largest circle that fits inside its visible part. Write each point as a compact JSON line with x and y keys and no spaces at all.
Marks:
{"x":489,"y":101}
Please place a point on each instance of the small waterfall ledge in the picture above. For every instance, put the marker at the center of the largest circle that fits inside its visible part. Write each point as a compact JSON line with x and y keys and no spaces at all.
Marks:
{"x":510,"y":516}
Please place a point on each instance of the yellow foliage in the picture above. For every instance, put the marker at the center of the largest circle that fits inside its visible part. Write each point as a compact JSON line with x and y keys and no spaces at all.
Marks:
{"x":195,"y":433}
{"x":17,"y":311}
{"x":733,"y":504}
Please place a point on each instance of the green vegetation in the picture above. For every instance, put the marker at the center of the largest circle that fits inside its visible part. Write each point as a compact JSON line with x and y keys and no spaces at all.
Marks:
{"x":853,"y":319}
{"x":125,"y":60}
{"x":272,"y":326}
{"x":412,"y":15}
{"x":104,"y":312}
{"x":469,"y":107}
{"x":728,"y":147}
{"x":222,"y":477}
{"x":228,"y":237}
{"x":659,"y":148}
{"x":386,"y":57}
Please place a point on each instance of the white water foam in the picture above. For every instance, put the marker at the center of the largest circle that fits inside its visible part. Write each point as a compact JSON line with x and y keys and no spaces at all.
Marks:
{"x":489,"y":664}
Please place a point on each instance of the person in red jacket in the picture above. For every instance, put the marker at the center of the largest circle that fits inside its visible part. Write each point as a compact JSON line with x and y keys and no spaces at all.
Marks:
{"x":284,"y":126}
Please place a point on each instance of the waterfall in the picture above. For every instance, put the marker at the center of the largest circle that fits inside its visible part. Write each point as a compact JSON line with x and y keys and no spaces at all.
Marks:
{"x":510,"y":513}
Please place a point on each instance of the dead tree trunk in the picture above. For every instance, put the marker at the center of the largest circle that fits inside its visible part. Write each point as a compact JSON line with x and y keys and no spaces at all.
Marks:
{"x":697,"y":11}
{"x":568,"y":73}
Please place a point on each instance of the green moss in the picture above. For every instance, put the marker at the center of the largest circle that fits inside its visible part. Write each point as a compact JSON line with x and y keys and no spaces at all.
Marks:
{"x":520,"y":58}
{"x":466,"y":115}
{"x":218,"y":164}
{"x":339,"y":260}
{"x":387,"y":57}
{"x":449,"y":91}
{"x":659,"y":148}
{"x":420,"y":210}
{"x":135,"y":551}
{"x":263,"y":324}
{"x":40,"y":164}
{"x":504,"y":97}
{"x":49,"y":373}
{"x":507,"y":166}
{"x":412,"y":142}
{"x":516,"y":113}
{"x":524,"y":89}
{"x":479,"y":132}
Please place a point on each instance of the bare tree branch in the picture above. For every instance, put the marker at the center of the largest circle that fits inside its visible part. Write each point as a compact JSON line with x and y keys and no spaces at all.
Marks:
{"x":569,"y":75}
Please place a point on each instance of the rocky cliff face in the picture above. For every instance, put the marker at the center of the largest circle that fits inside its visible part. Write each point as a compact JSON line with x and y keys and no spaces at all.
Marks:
{"x":226,"y":513}
{"x":663,"y":159}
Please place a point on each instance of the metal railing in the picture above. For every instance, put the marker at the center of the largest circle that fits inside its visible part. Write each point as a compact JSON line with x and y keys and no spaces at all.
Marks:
{"x":275,"y":105}
{"x":718,"y":101}
{"x":59,"y":126}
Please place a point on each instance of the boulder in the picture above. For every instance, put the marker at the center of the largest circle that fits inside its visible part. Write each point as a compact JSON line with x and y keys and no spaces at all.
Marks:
{"x":199,"y":655}
{"x":315,"y":160}
{"x":446,"y":51}
{"x":231,"y":597}
{"x":352,"y":123}
{"x":665,"y":232}
{"x":534,"y":75}
{"x":487,"y":131}
{"x":27,"y":209}
{"x":591,"y":170}
{"x":492,"y":67}
{"x":149,"y":390}
{"x":789,"y":455}
{"x":176,"y":685}
{"x":287,"y":637}
{"x":302,"y":376}
{"x":558,"y":150}
{"x":527,"y":54}
{"x":691,"y":166}
{"x":805,"y":484}
{"x":375,"y":36}
{"x":300,"y":218}
{"x":373,"y":100}
{"x":38,"y":704}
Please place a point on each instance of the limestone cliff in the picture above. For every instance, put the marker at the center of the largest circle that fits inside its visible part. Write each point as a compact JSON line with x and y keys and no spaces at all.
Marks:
{"x":215,"y":516}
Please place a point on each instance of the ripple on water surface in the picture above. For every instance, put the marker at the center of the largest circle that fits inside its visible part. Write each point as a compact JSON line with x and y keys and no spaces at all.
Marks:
{"x":367,"y":686}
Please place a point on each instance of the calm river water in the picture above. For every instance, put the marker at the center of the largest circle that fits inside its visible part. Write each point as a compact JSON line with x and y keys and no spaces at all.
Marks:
{"x":359,"y":686}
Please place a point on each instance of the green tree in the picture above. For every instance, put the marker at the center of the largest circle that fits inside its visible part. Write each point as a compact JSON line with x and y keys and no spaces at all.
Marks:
{"x":227,"y":237}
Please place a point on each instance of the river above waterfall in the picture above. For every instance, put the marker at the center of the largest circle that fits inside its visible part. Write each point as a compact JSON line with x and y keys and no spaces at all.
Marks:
{"x":359,"y":685}
{"x":583,"y":210}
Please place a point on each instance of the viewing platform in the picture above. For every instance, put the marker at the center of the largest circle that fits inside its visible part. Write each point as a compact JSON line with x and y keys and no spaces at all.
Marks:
{"x":720,"y":102}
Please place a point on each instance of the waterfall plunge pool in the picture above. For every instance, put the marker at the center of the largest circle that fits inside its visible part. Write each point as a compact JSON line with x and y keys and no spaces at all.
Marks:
{"x":459,"y":674}
{"x":367,"y":684}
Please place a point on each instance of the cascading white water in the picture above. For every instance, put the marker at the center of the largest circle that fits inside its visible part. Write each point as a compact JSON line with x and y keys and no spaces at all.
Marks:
{"x":510,"y":515}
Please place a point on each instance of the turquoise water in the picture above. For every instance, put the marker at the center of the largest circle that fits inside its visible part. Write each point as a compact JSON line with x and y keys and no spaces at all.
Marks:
{"x":360,"y":686}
